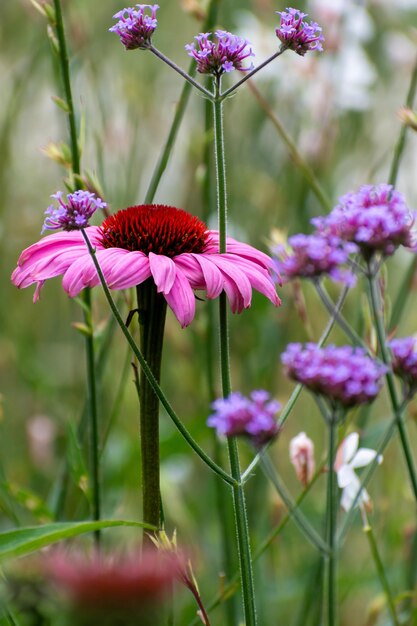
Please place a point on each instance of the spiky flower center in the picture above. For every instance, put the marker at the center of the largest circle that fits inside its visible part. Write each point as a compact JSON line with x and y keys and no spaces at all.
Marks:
{"x":154,"y":228}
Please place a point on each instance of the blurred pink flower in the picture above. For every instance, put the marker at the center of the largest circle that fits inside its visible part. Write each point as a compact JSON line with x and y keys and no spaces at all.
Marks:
{"x":164,"y":243}
{"x":302,"y":457}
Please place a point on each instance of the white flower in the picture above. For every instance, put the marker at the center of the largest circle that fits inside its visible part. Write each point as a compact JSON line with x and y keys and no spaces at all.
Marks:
{"x":302,"y":457}
{"x":348,"y":458}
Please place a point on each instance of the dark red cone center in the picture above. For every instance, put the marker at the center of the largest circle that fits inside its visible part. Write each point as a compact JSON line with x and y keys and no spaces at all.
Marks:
{"x":154,"y":228}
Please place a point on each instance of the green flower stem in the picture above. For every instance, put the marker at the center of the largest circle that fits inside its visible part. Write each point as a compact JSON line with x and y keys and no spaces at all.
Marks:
{"x":148,"y":372}
{"x":89,"y":341}
{"x":180,"y":71}
{"x":152,"y":312}
{"x":252,"y":73}
{"x":377,"y":313}
{"x":344,"y":325}
{"x":242,"y":530}
{"x":403,"y":293}
{"x":293,"y":151}
{"x":306,"y":528}
{"x":381,"y":573}
{"x":298,"y":389}
{"x":331,"y":507}
{"x":399,"y":148}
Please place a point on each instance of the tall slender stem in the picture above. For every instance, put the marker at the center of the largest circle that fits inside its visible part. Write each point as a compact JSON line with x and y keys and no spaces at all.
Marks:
{"x":331,"y":525}
{"x":152,"y":312}
{"x":377,"y":313}
{"x":242,"y":530}
{"x":89,"y":340}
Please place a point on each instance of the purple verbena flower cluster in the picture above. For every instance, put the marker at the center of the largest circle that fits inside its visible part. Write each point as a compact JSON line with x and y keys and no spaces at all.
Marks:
{"x":227,"y":54}
{"x":315,"y":255}
{"x":135,"y":27}
{"x":376,"y":218}
{"x":74,"y":213}
{"x":298,"y":35}
{"x":253,"y":416}
{"x":404,"y":359}
{"x":344,"y":375}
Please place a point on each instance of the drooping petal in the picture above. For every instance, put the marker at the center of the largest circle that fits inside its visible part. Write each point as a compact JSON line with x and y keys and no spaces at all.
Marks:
{"x":237,"y":285}
{"x":181,"y":299}
{"x":259,"y":278}
{"x":202,"y":273}
{"x":163,"y":272}
{"x":130,"y":270}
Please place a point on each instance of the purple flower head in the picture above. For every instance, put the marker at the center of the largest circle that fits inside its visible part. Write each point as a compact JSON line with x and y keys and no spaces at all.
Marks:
{"x":74,"y":213}
{"x":314,"y":255}
{"x":298,"y":35}
{"x":344,"y":375}
{"x":135,"y":27}
{"x":226,"y":55}
{"x":253,"y":417}
{"x":404,"y":360}
{"x":376,"y":218}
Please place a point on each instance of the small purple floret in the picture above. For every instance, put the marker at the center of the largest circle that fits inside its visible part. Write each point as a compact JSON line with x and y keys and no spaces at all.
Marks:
{"x":313,"y":256}
{"x":135,"y":27}
{"x":344,"y":375}
{"x":74,"y":213}
{"x":226,"y":55}
{"x":253,"y":417}
{"x":376,"y":218}
{"x":404,"y":360}
{"x":298,"y":35}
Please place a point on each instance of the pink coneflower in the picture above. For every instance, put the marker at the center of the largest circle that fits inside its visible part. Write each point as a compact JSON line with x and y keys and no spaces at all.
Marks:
{"x":163,"y":243}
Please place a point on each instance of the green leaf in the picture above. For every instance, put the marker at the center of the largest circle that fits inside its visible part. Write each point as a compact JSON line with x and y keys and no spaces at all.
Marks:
{"x":23,"y":541}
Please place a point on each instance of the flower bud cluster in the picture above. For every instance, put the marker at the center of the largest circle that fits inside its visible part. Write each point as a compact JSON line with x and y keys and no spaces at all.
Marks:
{"x":74,"y":213}
{"x":135,"y":27}
{"x":404,"y":359}
{"x":344,"y":375}
{"x":253,"y":416}
{"x":225,"y":55}
{"x":298,"y":35}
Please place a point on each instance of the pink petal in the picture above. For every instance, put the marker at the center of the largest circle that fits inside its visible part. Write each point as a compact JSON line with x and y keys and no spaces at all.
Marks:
{"x":237,"y":285}
{"x":181,"y":299}
{"x":130,"y":270}
{"x":259,"y":278}
{"x":163,"y":272}
{"x":201,"y":273}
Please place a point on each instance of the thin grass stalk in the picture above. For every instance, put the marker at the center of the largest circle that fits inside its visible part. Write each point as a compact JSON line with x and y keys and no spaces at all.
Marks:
{"x":381,"y":573}
{"x":242,"y":530}
{"x":89,"y":340}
